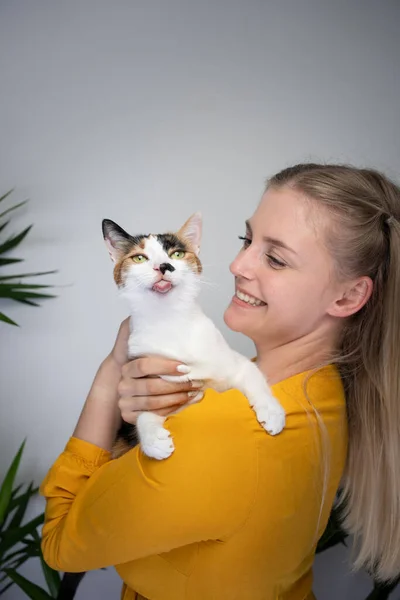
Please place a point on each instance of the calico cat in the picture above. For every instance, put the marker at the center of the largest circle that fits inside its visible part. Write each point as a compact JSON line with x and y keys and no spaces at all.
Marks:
{"x":159,"y":276}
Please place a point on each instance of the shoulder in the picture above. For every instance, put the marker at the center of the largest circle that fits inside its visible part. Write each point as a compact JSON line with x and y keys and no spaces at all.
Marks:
{"x":320,"y":390}
{"x":218,"y":424}
{"x":226,"y":420}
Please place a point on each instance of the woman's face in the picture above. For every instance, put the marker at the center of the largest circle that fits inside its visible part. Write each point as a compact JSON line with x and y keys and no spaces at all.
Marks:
{"x":284,"y":275}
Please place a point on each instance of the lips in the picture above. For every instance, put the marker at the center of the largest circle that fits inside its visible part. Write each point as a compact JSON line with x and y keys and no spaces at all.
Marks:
{"x":248,"y":299}
{"x":162,"y":287}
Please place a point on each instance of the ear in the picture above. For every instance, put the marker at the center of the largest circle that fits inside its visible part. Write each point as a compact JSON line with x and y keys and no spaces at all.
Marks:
{"x":116,"y":239}
{"x":353,"y":298}
{"x":191,"y":231}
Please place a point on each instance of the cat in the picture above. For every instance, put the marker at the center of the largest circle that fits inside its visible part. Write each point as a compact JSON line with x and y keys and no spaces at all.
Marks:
{"x":159,"y":276}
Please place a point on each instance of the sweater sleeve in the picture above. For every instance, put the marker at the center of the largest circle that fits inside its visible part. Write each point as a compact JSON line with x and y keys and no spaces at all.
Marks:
{"x":102,"y":512}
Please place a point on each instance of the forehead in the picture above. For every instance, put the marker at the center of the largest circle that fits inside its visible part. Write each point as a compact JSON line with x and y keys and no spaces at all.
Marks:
{"x":154,"y":248}
{"x":161,"y":245}
{"x":288,"y":215}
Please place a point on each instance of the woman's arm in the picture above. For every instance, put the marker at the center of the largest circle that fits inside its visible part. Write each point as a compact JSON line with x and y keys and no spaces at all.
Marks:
{"x":121,"y":386}
{"x":103,"y":512}
{"x":100,"y":417}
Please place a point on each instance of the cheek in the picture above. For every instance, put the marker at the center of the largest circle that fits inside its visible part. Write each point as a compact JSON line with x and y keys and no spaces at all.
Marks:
{"x":180,"y":270}
{"x":139,"y":273}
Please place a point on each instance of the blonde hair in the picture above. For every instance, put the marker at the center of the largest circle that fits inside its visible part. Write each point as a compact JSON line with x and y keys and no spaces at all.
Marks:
{"x":364,"y":240}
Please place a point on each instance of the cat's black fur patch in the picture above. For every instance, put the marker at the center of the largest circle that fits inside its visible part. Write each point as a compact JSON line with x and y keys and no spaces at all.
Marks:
{"x":127,"y":432}
{"x":170,"y":241}
{"x":124,"y":240}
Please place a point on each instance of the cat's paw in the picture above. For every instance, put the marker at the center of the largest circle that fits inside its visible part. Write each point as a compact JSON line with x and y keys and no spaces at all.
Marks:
{"x":156,"y":442}
{"x":272,"y":418}
{"x":176,"y":378}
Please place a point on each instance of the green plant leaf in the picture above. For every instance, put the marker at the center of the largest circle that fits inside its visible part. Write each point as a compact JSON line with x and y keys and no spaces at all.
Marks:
{"x":8,"y":277}
{"x":6,"y":488}
{"x":16,"y":490}
{"x":4,"y":225}
{"x":16,"y":500}
{"x":31,"y":589}
{"x":13,"y":536}
{"x":15,"y":240}
{"x":20,"y":512}
{"x":16,"y":555}
{"x":52,"y":577}
{"x":24,"y":301}
{"x":12,"y":208}
{"x":22,"y":286}
{"x":15,"y":565}
{"x":4,"y":589}
{"x":9,"y":261}
{"x":6,"y":319}
{"x":4,"y":196}
{"x":8,"y":292}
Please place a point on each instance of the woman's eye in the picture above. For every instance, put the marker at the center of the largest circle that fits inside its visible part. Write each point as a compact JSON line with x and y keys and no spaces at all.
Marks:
{"x":246,"y":241}
{"x":178,"y":254}
{"x":139,"y":258}
{"x":274,"y":262}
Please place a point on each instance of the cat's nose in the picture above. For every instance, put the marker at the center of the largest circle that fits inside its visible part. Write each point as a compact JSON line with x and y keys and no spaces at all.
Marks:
{"x":166,"y":267}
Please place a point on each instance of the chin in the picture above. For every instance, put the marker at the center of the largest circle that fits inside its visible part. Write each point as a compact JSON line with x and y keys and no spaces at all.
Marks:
{"x":244,"y":322}
{"x":234,"y":321}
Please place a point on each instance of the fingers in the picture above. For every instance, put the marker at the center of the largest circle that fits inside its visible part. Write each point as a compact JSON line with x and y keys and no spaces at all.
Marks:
{"x":160,"y":405}
{"x":142,"y":389}
{"x":154,"y":365}
{"x":120,"y":349}
{"x":154,"y":387}
{"x":163,"y":412}
{"x":145,"y":403}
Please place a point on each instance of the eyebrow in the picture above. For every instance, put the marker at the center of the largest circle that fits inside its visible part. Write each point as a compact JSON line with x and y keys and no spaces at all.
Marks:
{"x":273,"y":241}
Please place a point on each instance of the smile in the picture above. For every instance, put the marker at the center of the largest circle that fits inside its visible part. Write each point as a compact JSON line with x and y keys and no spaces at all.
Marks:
{"x":249,"y":299}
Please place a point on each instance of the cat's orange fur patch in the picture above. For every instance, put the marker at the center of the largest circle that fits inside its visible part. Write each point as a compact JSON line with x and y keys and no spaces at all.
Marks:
{"x":123,"y":265}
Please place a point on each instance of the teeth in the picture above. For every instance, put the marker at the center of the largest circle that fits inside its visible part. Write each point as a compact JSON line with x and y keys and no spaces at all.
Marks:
{"x":248,"y":299}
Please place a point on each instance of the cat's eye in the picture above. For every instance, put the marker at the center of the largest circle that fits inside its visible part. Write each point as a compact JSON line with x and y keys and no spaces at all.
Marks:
{"x":139,"y":258}
{"x":178,"y":254}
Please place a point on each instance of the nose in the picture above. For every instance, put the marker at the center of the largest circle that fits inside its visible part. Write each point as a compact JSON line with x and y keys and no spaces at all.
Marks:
{"x":166,"y":267}
{"x":245,"y":264}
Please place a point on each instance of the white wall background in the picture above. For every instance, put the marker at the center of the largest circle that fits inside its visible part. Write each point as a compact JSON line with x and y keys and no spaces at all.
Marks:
{"x":143,"y":112}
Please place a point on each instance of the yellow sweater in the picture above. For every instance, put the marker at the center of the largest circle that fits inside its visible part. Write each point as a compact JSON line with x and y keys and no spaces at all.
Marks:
{"x":233,"y":514}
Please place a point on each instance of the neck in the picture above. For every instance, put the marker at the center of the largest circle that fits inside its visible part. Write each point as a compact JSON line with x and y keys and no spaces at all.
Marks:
{"x":303,"y":354}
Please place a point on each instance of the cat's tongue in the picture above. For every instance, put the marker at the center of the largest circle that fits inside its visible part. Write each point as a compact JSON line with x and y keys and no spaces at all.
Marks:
{"x":162,"y":286}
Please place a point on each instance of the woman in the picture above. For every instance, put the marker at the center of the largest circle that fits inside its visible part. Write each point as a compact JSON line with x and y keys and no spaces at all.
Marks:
{"x":236,"y":513}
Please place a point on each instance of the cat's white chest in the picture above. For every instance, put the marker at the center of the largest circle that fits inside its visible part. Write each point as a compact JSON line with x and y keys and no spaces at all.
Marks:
{"x":174,"y":338}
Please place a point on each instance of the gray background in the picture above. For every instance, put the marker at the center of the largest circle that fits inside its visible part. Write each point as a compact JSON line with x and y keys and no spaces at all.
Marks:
{"x":144,"y":112}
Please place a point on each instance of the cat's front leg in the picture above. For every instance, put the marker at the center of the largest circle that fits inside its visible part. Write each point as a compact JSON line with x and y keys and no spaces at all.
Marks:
{"x":155,"y":440}
{"x":252,"y":383}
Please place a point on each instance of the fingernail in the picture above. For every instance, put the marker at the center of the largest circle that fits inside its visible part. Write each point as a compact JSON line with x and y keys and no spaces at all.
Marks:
{"x":192,"y":394}
{"x":183,"y":369}
{"x":197,"y":384}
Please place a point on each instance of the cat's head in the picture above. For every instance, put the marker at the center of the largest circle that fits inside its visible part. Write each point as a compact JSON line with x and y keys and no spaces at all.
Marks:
{"x":156,"y":265}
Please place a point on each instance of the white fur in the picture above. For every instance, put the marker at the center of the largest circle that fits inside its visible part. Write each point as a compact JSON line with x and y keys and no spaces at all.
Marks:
{"x":173,"y":325}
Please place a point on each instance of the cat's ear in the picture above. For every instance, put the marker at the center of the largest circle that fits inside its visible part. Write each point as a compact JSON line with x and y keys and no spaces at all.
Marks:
{"x":116,"y":239}
{"x":191,"y":231}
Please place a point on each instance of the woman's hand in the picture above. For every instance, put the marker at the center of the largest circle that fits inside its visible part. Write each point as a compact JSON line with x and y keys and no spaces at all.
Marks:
{"x":142,"y":389}
{"x":120,"y":350}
